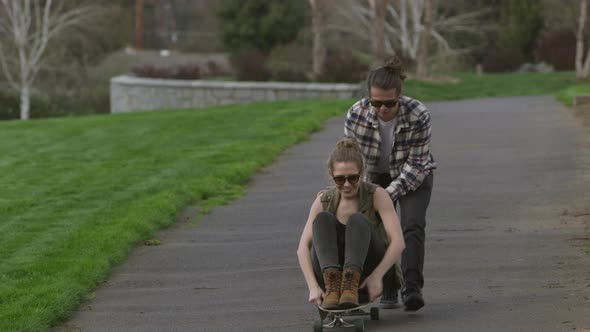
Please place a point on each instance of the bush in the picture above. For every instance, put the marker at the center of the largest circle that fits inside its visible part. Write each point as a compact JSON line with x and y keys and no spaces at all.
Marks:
{"x":9,"y":106}
{"x":520,"y":23}
{"x":502,"y":60}
{"x":285,"y":74}
{"x":40,"y":107}
{"x":250,"y":66}
{"x":557,"y":48}
{"x":259,"y":25}
{"x":214,"y":69}
{"x":84,"y":100}
{"x":179,"y":72}
{"x":290,"y":63}
{"x":152,"y":71}
{"x":187,"y":72}
{"x":344,"y":69}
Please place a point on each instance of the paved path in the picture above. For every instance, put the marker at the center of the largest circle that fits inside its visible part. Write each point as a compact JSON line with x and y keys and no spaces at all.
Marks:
{"x":504,"y":238}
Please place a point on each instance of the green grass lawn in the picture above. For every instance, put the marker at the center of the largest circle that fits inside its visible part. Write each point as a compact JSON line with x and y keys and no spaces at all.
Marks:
{"x":491,"y":85}
{"x":567,"y":95}
{"x":77,"y":194}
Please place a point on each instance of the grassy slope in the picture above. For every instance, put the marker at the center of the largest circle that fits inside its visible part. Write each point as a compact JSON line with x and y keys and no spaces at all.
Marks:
{"x":78,"y":193}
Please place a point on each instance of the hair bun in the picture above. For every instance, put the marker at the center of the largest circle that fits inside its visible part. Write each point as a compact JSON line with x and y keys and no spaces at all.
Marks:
{"x":346,"y":150}
{"x":395,"y":66}
{"x":348,"y":144}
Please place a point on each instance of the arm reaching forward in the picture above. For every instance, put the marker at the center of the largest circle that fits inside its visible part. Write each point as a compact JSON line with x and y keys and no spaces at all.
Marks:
{"x":384,"y":206}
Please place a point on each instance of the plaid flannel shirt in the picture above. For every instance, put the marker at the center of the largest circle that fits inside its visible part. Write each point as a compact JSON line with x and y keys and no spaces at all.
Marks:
{"x":410,"y":159}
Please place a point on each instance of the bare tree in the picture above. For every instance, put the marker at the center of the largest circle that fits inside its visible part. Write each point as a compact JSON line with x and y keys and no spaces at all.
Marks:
{"x":582,"y":63}
{"x":422,"y":65}
{"x":380,"y":10}
{"x":26,"y":28}
{"x":319,"y":46}
{"x":407,"y":26}
{"x":404,"y":25}
{"x":166,"y":23}
{"x":139,"y":24}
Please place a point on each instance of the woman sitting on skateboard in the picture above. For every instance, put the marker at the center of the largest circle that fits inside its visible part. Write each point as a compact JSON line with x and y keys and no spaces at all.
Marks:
{"x":352,"y":235}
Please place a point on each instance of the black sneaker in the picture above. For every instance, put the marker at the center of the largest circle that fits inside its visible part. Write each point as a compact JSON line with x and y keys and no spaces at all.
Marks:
{"x":389,"y":299}
{"x":412,"y":297}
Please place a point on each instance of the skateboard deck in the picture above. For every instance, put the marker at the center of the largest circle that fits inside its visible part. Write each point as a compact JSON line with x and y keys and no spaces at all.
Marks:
{"x":344,"y":310}
{"x":345,"y":317}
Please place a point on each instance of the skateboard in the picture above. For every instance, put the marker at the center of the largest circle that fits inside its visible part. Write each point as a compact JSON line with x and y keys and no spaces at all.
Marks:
{"x":350,"y":317}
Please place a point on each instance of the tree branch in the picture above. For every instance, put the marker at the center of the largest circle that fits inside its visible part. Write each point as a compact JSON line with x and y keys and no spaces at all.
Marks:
{"x":6,"y":70}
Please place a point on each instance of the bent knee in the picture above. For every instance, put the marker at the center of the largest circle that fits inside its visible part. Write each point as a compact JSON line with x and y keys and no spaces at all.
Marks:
{"x":324,"y":216}
{"x":358,"y":219}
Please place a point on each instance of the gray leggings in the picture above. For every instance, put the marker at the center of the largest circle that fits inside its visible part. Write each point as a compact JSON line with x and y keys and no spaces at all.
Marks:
{"x":354,"y":245}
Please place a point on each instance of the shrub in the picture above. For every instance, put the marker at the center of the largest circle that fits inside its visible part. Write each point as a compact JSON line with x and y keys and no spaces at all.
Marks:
{"x":259,"y":24}
{"x":9,"y":106}
{"x":85,"y":99}
{"x":250,"y":66}
{"x":286,"y":74}
{"x":179,"y":72}
{"x":290,"y":63}
{"x":502,"y":60}
{"x":344,"y":69}
{"x":40,"y":107}
{"x":558,"y":48}
{"x":214,"y":69}
{"x":520,"y":23}
{"x":187,"y":72}
{"x":152,"y":71}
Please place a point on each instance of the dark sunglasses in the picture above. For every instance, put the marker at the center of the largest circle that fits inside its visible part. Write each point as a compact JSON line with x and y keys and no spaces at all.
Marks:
{"x":388,"y":103}
{"x":340,"y":180}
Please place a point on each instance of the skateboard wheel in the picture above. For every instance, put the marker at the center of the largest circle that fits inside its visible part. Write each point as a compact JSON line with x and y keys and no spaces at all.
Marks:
{"x":323,"y":314}
{"x":374,"y":313}
{"x":318,"y":325}
{"x":359,"y":325}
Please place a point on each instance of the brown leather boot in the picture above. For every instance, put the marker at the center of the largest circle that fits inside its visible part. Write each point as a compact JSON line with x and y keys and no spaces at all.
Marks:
{"x":350,"y":288}
{"x":332,"y":280}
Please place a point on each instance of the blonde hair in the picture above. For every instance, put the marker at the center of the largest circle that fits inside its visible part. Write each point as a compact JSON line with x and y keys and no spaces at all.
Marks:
{"x":346,"y":150}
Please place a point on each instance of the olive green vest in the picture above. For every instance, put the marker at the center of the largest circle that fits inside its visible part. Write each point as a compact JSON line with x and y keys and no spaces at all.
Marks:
{"x":331,"y":198}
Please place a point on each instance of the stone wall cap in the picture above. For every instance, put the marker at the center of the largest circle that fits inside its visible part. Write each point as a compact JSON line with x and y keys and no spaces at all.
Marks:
{"x":133,"y":80}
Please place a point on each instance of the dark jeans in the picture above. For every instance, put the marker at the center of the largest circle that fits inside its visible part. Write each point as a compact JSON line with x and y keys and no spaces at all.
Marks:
{"x":341,"y":246}
{"x":412,"y":207}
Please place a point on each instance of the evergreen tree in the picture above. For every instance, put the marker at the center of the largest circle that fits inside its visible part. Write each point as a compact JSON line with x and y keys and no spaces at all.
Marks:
{"x":260,"y":25}
{"x":520,"y":23}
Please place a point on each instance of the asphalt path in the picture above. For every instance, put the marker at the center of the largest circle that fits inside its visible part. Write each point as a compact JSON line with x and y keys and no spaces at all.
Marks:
{"x":506,"y":230}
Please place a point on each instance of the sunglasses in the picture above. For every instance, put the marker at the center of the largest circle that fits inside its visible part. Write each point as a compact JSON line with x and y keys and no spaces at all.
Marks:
{"x":340,"y":180}
{"x":388,"y":103}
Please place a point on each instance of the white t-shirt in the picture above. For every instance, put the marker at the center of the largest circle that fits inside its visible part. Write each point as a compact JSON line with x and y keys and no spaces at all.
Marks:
{"x":386,"y":129}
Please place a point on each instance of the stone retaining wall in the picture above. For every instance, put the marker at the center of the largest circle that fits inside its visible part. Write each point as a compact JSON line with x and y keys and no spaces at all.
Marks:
{"x":130,"y":93}
{"x":582,"y":108}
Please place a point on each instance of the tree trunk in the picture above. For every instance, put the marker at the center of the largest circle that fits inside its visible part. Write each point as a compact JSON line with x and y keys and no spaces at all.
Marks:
{"x":422,"y":66}
{"x":403,"y":28}
{"x":139,"y":24}
{"x":24,"y":102}
{"x":580,"y":42}
{"x":379,"y":10}
{"x":586,"y":67}
{"x":319,"y":46}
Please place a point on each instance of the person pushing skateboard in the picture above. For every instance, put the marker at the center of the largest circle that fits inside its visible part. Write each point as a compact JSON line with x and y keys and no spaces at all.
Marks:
{"x":394,"y":132}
